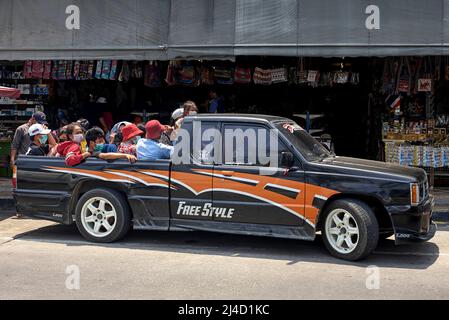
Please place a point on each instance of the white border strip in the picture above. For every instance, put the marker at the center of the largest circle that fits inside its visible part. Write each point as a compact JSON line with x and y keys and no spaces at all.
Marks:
{"x":278,"y":186}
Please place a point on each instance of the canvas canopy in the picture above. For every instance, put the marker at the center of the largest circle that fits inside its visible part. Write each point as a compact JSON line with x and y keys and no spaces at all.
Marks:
{"x":220,"y":29}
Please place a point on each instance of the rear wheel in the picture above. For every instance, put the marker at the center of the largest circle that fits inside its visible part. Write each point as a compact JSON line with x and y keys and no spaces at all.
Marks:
{"x":351,"y":230}
{"x":102,"y":215}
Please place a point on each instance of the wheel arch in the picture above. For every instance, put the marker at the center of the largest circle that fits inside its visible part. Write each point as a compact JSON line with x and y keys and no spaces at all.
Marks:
{"x":86,"y":185}
{"x":382,"y":215}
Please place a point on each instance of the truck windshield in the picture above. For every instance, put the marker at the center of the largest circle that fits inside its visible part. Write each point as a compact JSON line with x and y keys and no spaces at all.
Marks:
{"x":310,"y":148}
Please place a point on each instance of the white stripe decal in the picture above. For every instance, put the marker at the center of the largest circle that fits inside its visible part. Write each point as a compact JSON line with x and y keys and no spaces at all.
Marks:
{"x":229,"y":178}
{"x":234,"y":191}
{"x":320,"y":197}
{"x":277,"y":186}
{"x":269,"y":201}
{"x":139,"y":180}
{"x":171,"y":180}
{"x":88,"y":175}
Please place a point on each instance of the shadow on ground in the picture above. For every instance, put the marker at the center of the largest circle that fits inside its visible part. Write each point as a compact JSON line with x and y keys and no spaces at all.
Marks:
{"x":410,"y":256}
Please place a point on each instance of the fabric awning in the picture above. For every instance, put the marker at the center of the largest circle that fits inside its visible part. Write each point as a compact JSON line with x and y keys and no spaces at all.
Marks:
{"x":220,"y":29}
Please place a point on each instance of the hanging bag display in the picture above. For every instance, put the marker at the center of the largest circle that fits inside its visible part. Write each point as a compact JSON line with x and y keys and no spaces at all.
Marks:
{"x":47,"y":70}
{"x":278,"y":75}
{"x":403,"y":83}
{"x":302,"y":74}
{"x":37,"y":69}
{"x":28,"y":69}
{"x":106,"y":69}
{"x":152,"y":75}
{"x":262,"y":76}
{"x":425,"y":79}
{"x":113,"y":73}
{"x":170,"y":77}
{"x":223,"y":75}
{"x":124,"y":73}
{"x":186,"y":74}
{"x":242,"y":75}
{"x":98,"y":69}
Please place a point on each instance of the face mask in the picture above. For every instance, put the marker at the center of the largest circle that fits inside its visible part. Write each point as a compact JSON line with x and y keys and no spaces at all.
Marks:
{"x":98,"y":147}
{"x":136,"y":139}
{"x":43,"y":139}
{"x":78,"y":137}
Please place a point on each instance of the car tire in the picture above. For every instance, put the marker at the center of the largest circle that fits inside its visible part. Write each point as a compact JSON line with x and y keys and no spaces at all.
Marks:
{"x":350,"y":229}
{"x":103,"y":215}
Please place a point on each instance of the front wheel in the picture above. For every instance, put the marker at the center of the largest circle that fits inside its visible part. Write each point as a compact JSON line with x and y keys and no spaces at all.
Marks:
{"x":351,"y":231}
{"x":102,"y":215}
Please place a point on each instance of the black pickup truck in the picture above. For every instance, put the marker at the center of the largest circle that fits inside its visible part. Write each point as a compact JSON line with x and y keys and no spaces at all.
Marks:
{"x":231,"y":187}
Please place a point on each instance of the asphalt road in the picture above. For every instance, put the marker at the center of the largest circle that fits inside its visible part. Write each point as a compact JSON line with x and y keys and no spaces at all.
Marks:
{"x":44,"y":264}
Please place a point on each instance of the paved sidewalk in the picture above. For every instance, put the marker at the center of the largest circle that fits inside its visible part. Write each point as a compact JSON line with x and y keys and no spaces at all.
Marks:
{"x":12,"y":227}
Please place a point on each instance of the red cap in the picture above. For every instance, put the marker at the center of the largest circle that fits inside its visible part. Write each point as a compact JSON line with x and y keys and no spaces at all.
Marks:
{"x":154,"y":129}
{"x":130,"y":131}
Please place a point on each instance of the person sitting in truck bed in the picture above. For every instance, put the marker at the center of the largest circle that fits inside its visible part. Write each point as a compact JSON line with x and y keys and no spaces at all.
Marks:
{"x":131,"y":135}
{"x":71,"y":149}
{"x":150,"y":148}
{"x":97,"y":147}
{"x":41,"y":140}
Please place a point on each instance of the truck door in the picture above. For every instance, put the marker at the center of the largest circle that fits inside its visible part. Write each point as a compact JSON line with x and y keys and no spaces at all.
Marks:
{"x":248,"y":189}
{"x":191,"y":180}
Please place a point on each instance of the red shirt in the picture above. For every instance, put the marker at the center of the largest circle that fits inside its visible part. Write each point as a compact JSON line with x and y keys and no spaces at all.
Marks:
{"x":71,"y":151}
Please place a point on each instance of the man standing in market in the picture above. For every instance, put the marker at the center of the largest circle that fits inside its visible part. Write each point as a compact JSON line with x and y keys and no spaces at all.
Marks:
{"x":21,"y":141}
{"x":216,"y":102}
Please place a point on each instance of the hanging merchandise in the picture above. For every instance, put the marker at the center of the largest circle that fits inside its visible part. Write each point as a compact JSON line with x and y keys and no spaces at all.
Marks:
{"x":341,"y":77}
{"x":242,"y":75}
{"x":389,"y":75}
{"x":302,"y":74}
{"x":136,"y":71}
{"x":326,"y":79}
{"x":437,"y":68}
{"x":61,"y":75}
{"x":262,"y":76}
{"x":76,"y":70}
{"x":124,"y":73}
{"x":152,"y":75}
{"x":106,"y":69}
{"x":186,"y":74}
{"x":54,"y":70}
{"x":82,"y":70}
{"x":91,"y":70}
{"x":170,"y":77}
{"x":403,"y":84}
{"x":98,"y":69}
{"x":313,"y":77}
{"x":113,"y":73}
{"x":47,"y":70}
{"x":446,"y":73}
{"x":207,"y":76}
{"x":292,"y":75}
{"x":354,"y":78}
{"x":223,"y":75}
{"x":68,"y":70}
{"x":28,"y":69}
{"x":37,"y":69}
{"x":278,"y":75}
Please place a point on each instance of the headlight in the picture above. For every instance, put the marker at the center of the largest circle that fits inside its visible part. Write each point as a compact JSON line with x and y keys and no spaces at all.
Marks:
{"x":414,"y":194}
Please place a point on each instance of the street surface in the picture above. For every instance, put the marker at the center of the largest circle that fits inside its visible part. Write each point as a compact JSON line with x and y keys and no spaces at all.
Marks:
{"x":197,"y":265}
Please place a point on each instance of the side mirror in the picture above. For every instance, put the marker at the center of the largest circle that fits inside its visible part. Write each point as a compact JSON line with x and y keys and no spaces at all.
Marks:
{"x":287,"y":159}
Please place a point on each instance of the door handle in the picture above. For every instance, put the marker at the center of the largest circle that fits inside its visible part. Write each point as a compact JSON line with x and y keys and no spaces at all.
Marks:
{"x":227,"y":173}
